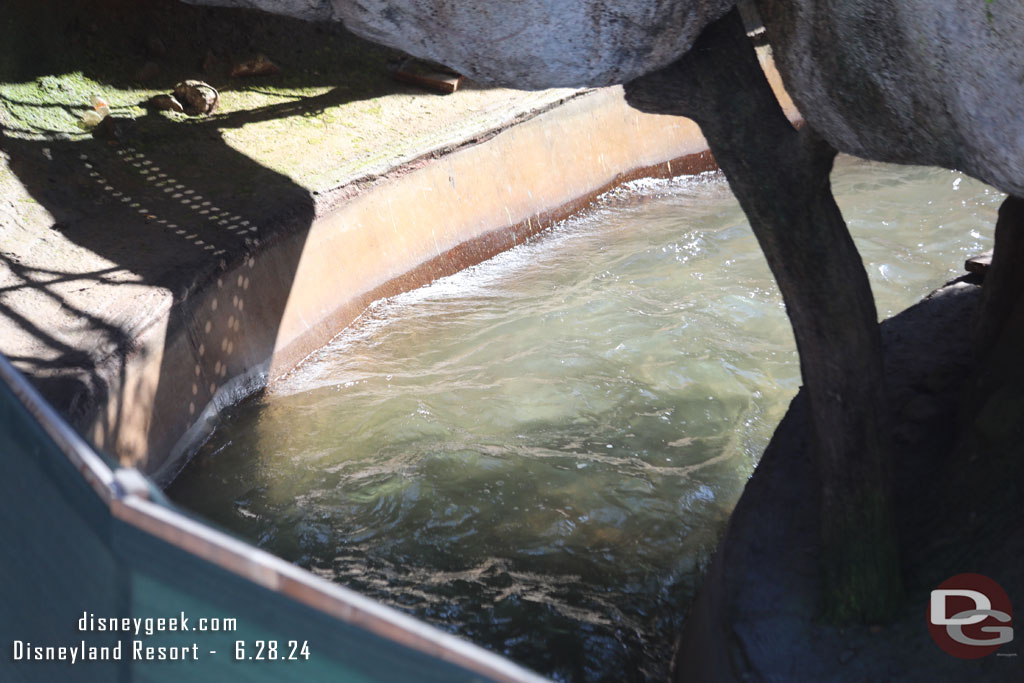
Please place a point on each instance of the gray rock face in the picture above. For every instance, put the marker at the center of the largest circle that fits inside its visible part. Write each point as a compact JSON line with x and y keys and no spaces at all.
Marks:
{"x":522,"y":44}
{"x":310,"y":10}
{"x":912,"y":81}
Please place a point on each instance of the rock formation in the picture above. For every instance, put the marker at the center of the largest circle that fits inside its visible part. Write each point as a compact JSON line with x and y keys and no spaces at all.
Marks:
{"x":935,"y":82}
{"x":525,"y":44}
{"x":916,"y":81}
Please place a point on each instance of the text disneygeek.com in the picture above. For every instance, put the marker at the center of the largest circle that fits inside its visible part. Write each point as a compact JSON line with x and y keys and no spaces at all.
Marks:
{"x":133,"y":646}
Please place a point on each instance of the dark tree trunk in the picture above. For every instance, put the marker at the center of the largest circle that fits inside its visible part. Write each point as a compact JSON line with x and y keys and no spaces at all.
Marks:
{"x":781,"y":178}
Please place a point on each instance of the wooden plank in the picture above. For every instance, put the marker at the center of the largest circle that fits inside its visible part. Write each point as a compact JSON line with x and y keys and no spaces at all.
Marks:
{"x":427,"y":75}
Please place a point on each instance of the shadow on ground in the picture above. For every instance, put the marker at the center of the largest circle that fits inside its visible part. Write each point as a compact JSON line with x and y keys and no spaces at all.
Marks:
{"x":155,"y":44}
{"x":170,"y":216}
{"x":162,"y":205}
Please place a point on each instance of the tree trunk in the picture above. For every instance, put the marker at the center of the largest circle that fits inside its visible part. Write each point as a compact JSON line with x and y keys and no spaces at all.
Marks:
{"x":781,"y":178}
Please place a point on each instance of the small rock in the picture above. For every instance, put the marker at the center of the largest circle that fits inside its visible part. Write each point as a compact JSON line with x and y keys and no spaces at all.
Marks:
{"x":196,"y":97}
{"x":148,"y":72}
{"x":114,"y":128}
{"x":258,"y":66}
{"x":166,"y":103}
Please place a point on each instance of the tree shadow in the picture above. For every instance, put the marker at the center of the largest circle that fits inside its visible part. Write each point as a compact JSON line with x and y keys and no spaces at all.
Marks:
{"x":162,"y":204}
{"x":143,"y":212}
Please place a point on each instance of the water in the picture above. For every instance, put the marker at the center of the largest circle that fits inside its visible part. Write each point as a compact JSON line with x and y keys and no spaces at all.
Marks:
{"x":540,"y":453}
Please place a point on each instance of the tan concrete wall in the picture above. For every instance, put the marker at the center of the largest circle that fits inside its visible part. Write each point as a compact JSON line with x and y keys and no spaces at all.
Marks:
{"x":263,"y":316}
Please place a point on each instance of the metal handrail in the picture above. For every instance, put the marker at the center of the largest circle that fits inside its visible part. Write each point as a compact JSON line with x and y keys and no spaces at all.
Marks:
{"x":125,"y":492}
{"x":96,"y":472}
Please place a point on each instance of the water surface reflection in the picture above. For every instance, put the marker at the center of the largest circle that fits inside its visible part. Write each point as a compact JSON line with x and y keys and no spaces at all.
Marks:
{"x":539,"y":453}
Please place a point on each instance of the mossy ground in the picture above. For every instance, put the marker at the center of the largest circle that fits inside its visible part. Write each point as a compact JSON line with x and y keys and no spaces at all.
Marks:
{"x":332,"y":114}
{"x":94,"y":247}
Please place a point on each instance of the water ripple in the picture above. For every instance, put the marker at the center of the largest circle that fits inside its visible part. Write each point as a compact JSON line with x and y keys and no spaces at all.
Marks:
{"x":539,"y":453}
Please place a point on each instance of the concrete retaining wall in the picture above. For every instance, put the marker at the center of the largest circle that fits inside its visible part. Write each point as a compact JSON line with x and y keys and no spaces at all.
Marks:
{"x":270,"y":308}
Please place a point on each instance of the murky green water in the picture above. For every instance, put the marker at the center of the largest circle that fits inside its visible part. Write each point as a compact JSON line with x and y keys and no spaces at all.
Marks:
{"x":540,"y":453}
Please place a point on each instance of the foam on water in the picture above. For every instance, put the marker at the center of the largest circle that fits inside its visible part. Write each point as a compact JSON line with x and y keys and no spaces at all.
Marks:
{"x":540,"y":452}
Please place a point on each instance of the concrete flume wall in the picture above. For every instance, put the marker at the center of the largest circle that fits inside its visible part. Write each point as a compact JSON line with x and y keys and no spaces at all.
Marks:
{"x":265,"y":313}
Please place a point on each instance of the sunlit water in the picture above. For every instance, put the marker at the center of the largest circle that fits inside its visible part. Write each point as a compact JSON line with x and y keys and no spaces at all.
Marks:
{"x":540,"y":453}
